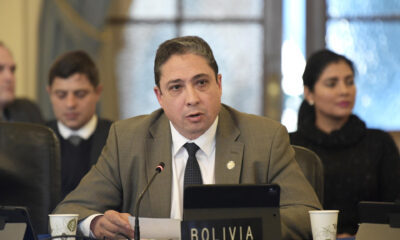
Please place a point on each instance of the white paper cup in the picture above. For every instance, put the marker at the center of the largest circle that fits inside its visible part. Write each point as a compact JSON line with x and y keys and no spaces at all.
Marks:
{"x":324,"y":224}
{"x":63,"y":224}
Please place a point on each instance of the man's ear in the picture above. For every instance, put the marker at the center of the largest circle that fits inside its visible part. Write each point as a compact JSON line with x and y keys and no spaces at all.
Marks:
{"x":308,"y":95}
{"x":219,"y":81}
{"x":48,"y":90}
{"x":158,"y":93}
{"x":99,"y":89}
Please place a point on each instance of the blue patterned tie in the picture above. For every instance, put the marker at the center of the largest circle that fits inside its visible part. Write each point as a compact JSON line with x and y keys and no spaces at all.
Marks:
{"x":192,"y":170}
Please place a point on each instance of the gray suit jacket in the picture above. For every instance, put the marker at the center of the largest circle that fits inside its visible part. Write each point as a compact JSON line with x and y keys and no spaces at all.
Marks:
{"x":23,"y":110}
{"x":259,"y":147}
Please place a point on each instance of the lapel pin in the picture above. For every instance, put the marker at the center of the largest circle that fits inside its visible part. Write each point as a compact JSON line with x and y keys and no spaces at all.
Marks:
{"x":230,"y":165}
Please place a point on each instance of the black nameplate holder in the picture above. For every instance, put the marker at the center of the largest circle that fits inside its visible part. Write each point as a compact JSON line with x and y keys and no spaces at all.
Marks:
{"x":223,"y":229}
{"x":227,"y":212}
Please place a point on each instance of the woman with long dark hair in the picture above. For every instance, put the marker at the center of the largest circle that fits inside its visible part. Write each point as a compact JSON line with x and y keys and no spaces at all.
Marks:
{"x":360,"y":164}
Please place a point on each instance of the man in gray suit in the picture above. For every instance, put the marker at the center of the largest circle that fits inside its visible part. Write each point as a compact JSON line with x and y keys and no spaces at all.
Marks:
{"x":14,"y":109}
{"x":233,"y":148}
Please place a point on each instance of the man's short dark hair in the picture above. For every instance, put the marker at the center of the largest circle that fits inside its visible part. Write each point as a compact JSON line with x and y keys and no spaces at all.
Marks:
{"x":74,"y":62}
{"x":180,"y":46}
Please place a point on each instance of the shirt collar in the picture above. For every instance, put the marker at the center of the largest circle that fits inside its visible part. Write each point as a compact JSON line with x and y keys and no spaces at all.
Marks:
{"x":206,"y":141}
{"x":84,"y":132}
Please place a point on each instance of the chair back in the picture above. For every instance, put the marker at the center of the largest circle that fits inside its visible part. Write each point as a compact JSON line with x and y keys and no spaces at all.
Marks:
{"x":396,"y":137}
{"x":312,"y":168}
{"x":30,"y":170}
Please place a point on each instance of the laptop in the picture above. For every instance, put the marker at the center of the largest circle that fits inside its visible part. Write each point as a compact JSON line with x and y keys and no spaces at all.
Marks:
{"x":378,"y":220}
{"x":231,"y":211}
{"x":15,"y":224}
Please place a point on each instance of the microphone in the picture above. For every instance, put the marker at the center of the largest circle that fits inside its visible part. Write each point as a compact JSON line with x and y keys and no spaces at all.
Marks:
{"x":159,"y":168}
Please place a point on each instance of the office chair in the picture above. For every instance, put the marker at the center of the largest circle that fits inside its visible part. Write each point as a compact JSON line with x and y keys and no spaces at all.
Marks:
{"x":396,"y":137}
{"x":312,"y":168}
{"x":30,"y":170}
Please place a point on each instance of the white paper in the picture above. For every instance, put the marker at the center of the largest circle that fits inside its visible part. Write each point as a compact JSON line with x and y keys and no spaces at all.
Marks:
{"x":158,"y":228}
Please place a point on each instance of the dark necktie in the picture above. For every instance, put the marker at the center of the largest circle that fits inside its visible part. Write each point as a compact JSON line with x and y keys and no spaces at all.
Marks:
{"x":192,"y":170}
{"x":75,"y":140}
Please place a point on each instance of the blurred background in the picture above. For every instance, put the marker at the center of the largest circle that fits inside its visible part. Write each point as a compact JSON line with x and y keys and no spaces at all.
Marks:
{"x":260,"y":45}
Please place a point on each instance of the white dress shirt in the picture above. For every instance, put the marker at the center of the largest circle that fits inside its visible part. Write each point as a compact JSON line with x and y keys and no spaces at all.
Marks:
{"x":205,"y":157}
{"x":84,"y":132}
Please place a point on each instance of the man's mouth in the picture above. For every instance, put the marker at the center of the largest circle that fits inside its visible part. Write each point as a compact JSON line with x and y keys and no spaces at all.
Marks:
{"x":194,"y":117}
{"x":71,"y":116}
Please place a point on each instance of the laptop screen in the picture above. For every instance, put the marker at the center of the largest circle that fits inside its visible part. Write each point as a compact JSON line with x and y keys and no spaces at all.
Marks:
{"x":15,"y":224}
{"x":238,"y":209}
{"x":379,"y":212}
{"x":231,"y":196}
{"x":378,"y":220}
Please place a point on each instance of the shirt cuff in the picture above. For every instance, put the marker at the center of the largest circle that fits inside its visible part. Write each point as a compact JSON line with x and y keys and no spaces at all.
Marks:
{"x":84,"y":226}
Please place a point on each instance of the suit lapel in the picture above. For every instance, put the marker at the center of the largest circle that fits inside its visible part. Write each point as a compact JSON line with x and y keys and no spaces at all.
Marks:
{"x":229,"y":151}
{"x":228,"y":159}
{"x":159,"y":150}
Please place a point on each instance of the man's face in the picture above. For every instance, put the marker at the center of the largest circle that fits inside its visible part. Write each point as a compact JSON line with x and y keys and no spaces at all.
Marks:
{"x":189,"y":94}
{"x":7,"y":77}
{"x":74,"y":99}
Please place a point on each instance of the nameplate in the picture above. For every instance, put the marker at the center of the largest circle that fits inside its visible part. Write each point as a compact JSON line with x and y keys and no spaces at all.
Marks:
{"x":222,"y":229}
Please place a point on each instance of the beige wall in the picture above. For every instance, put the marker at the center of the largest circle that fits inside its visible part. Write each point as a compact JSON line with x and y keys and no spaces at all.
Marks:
{"x":18,"y":30}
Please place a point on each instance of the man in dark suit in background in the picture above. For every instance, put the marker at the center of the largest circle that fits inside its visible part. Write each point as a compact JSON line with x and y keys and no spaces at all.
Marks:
{"x":74,"y":91}
{"x":12,"y":109}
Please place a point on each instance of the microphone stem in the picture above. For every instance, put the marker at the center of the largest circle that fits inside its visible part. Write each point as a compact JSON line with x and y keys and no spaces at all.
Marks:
{"x":136,"y":230}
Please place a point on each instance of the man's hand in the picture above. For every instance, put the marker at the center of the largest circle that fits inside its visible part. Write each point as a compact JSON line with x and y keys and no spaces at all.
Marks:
{"x":344,"y":235}
{"x":111,"y":225}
